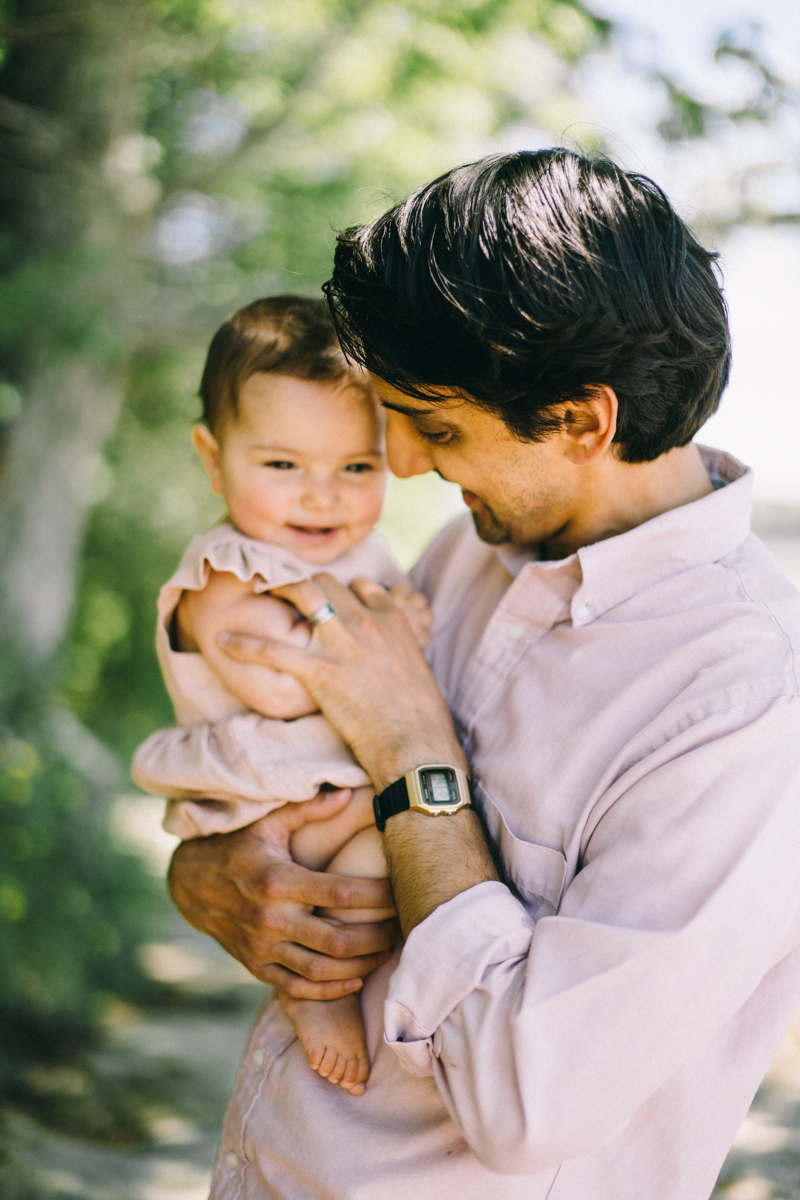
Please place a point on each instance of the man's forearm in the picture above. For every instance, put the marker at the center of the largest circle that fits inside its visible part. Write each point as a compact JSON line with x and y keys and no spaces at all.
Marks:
{"x":433,"y":859}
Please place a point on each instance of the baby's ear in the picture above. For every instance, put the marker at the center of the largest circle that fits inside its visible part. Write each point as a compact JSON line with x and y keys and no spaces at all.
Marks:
{"x":208,"y":448}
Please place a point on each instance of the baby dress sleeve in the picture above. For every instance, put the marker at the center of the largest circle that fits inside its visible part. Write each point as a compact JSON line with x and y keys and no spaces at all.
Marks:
{"x":225,"y":766}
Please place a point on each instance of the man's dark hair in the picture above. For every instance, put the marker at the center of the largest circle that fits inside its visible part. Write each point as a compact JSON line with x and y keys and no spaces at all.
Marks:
{"x":522,"y":280}
{"x":281,"y":335}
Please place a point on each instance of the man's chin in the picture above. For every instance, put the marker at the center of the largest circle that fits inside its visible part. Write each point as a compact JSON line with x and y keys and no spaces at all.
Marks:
{"x":489,"y":529}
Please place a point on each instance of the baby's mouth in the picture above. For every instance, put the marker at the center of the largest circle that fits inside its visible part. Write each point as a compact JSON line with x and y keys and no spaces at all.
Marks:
{"x":315,"y":533}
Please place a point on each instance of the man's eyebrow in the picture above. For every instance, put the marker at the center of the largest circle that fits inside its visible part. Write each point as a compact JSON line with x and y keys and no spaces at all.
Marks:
{"x":407,"y":411}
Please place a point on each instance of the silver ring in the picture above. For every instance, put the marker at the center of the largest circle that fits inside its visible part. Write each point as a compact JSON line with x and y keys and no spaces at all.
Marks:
{"x":321,"y":615}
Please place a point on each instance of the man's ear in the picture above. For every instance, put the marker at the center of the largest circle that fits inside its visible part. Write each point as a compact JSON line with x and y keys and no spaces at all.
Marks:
{"x":208,"y":448}
{"x":590,"y":424}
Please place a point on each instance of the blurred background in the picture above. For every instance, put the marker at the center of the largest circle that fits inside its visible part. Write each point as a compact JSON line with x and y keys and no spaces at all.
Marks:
{"x":161,"y":163}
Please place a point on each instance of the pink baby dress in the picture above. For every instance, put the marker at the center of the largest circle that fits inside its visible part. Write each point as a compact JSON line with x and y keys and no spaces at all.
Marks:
{"x":224,"y":766}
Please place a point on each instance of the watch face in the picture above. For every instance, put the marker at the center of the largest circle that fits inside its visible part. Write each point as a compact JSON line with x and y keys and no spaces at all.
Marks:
{"x":439,"y":786}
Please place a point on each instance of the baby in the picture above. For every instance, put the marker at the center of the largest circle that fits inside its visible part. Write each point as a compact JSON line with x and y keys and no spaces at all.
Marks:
{"x":292,"y":438}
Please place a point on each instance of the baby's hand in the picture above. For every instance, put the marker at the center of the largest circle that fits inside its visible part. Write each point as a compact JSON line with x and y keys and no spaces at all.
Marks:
{"x":414,"y":608}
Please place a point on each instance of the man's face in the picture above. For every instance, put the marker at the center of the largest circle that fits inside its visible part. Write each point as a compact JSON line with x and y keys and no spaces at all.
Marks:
{"x":519,"y":492}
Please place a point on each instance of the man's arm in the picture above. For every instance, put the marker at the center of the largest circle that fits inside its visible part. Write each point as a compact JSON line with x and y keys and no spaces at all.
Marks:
{"x":243,"y":889}
{"x":546,"y":1037}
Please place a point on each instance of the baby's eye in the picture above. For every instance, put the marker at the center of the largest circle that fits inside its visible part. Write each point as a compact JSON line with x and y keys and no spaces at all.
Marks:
{"x":359,"y":468}
{"x":280,"y":464}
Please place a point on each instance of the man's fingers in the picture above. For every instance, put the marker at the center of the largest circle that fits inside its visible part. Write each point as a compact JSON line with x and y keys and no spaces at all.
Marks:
{"x":288,"y":881}
{"x":338,"y":941}
{"x":320,"y":968}
{"x":311,"y":594}
{"x":306,"y":596}
{"x":293,"y":816}
{"x":372,"y":595}
{"x":304,"y":989}
{"x":265,"y":651}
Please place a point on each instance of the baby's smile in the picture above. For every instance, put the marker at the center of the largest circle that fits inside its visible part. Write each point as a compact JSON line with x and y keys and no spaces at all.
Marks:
{"x":318,"y":535}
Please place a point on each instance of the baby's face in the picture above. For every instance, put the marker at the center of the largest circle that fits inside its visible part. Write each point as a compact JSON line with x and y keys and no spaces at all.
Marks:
{"x":301,"y":465}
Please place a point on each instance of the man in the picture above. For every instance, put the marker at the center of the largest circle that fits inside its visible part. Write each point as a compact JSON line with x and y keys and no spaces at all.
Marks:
{"x":601,"y":955}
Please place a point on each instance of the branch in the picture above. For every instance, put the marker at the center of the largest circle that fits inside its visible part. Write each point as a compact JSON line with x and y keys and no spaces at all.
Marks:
{"x":296,"y":84}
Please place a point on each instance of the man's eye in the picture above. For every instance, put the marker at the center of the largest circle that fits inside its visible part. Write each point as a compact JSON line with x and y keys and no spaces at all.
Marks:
{"x":438,"y":437}
{"x":280,"y":465}
{"x":359,"y":468}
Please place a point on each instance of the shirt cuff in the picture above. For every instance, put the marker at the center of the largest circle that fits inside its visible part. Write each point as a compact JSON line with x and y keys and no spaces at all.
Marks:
{"x":444,"y":959}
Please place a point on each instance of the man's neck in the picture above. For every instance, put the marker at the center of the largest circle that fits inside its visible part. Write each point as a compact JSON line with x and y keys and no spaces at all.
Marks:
{"x":616,"y":496}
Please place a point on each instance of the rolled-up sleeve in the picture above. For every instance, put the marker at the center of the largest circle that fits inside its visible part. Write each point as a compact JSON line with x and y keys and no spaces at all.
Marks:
{"x":544,"y":1037}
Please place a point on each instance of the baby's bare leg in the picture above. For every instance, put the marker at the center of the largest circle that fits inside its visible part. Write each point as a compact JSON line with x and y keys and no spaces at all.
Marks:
{"x":332,"y":1031}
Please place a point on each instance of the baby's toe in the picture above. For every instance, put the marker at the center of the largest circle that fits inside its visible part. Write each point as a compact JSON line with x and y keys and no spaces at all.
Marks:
{"x":338,"y":1071}
{"x":328,"y":1062}
{"x":316,"y":1053}
{"x":350,"y":1076}
{"x":356,"y":1075}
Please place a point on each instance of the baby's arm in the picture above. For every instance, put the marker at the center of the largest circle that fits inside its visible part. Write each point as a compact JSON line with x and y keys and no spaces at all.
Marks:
{"x":225,"y":603}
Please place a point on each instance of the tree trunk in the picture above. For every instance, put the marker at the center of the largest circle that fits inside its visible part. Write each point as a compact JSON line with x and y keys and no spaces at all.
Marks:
{"x":68,"y":97}
{"x":45,"y":491}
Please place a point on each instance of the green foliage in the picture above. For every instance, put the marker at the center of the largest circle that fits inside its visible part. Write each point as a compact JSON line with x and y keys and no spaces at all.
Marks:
{"x":158,"y":498}
{"x":262,"y":129}
{"x":73,"y":905}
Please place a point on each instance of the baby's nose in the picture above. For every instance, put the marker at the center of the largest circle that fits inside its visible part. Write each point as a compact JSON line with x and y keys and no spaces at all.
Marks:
{"x":319,"y":495}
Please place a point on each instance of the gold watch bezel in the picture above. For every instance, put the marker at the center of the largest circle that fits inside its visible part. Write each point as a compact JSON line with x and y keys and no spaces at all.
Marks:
{"x":416,"y":797}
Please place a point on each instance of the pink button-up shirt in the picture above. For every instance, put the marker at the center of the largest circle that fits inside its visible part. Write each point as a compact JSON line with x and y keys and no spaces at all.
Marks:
{"x":595,"y":1027}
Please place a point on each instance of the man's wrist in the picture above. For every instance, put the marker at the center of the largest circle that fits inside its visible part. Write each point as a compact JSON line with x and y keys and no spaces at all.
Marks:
{"x":393,"y":766}
{"x":430,"y":862}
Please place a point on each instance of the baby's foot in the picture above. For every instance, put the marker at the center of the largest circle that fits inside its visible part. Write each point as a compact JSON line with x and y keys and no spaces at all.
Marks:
{"x":332,"y":1034}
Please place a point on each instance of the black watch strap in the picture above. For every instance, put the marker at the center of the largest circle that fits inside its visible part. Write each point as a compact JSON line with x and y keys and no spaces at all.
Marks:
{"x":393,"y":800}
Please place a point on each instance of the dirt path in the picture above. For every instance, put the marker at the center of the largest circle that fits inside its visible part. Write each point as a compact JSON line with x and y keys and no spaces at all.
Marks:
{"x":189,"y":1056}
{"x":764,"y":1162}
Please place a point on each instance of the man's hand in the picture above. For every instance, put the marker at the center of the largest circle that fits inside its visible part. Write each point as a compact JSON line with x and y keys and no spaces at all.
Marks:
{"x":367,"y":673}
{"x":416,"y":611}
{"x":244,"y":890}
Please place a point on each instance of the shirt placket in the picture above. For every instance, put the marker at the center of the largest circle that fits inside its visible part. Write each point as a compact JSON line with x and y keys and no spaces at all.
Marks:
{"x":527,"y":612}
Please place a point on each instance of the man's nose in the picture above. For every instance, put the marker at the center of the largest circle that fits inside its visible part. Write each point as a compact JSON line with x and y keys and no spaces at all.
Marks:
{"x":406,"y":452}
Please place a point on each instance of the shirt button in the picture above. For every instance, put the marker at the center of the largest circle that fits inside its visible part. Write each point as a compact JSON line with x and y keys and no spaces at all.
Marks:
{"x":515,"y":632}
{"x":258,"y":1057}
{"x":232,"y":1161}
{"x":582,"y":612}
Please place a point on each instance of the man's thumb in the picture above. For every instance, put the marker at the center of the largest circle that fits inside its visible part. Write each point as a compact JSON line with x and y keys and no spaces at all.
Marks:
{"x":265,"y":652}
{"x":323,"y":805}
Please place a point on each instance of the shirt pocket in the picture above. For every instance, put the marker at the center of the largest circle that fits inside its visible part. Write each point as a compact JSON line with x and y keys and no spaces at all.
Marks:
{"x":536,"y":874}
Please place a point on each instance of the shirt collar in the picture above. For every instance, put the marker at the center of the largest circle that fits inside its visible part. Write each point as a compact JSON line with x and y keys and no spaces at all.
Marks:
{"x":605,"y":574}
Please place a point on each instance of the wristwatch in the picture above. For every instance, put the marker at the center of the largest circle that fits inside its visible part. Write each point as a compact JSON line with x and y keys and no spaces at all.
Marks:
{"x":434,"y":788}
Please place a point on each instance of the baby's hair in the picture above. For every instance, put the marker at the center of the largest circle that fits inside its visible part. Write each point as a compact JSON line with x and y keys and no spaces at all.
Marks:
{"x":280,"y":335}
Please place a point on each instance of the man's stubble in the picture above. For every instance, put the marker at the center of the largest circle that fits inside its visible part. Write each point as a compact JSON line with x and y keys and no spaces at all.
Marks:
{"x":529,"y":520}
